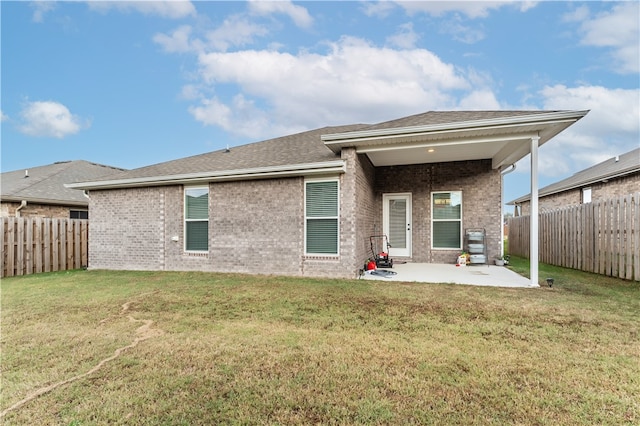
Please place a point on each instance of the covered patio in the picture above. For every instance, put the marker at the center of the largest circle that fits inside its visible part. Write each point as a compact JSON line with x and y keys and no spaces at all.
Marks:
{"x":503,"y":137}
{"x":478,"y":275}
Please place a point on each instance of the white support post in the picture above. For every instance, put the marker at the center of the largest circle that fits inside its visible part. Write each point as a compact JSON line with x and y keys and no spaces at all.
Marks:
{"x":533,"y":232}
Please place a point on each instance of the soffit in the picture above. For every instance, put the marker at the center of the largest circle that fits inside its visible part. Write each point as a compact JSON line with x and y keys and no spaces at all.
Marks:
{"x":503,"y":140}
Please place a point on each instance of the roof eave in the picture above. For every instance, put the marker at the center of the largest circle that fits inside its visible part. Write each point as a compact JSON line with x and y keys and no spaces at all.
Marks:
{"x":32,"y":200}
{"x":293,"y":170}
{"x":584,"y":183}
{"x":337,"y":141}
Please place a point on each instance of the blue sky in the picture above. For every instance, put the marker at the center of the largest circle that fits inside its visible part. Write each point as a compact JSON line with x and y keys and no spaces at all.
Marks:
{"x":130,"y":84}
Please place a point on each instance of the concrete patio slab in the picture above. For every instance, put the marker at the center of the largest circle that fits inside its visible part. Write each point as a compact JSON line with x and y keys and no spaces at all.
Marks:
{"x":479,"y":275}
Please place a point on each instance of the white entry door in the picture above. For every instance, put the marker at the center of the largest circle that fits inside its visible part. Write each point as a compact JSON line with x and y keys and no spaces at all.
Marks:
{"x":396,"y":219}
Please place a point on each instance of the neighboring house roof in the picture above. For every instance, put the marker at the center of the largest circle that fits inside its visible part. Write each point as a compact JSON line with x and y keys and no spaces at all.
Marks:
{"x":506,"y":133}
{"x":46,"y":184}
{"x":615,"y":167}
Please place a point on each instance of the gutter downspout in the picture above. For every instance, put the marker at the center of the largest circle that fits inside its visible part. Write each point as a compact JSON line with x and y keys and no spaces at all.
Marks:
{"x":502,"y":175}
{"x":533,"y":230}
{"x":23,"y":204}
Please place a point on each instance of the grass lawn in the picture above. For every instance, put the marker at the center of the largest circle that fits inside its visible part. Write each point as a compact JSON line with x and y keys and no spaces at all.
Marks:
{"x":233,"y":349}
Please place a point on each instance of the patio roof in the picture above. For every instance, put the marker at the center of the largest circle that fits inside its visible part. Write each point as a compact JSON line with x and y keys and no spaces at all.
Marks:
{"x":503,"y":136}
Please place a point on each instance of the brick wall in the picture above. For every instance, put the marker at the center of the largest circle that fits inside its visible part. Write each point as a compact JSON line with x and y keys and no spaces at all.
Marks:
{"x":8,"y":209}
{"x":367,"y":213}
{"x":599,"y":191}
{"x":258,"y":226}
{"x":481,"y":201}
{"x":254,"y":227}
{"x":126,"y":229}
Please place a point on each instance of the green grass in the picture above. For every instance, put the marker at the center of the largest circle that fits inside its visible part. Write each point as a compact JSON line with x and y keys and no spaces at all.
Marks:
{"x":235,"y":349}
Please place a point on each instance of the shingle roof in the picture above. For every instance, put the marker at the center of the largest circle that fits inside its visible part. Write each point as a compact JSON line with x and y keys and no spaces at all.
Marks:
{"x":45,"y":184}
{"x":613,"y":167}
{"x":447,"y":117}
{"x":300,"y":148}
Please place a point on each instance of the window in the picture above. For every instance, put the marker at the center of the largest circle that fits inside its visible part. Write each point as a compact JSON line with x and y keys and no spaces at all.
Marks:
{"x":586,"y":195}
{"x":321,"y":217}
{"x":196,"y":218}
{"x":446,"y":220}
{"x":78,"y":214}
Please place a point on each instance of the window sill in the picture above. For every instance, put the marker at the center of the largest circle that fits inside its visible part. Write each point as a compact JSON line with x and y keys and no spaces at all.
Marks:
{"x":204,"y":254}
{"x":322,"y":257}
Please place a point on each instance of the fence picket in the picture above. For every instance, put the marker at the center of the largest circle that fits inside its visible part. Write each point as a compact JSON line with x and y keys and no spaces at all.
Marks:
{"x":34,"y":245}
{"x":601,"y":237}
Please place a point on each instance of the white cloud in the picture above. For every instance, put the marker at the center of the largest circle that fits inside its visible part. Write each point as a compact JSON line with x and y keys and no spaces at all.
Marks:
{"x":40,"y":8}
{"x":173,"y":9}
{"x":471,"y":9}
{"x":479,"y":99}
{"x":178,"y":41}
{"x":298,"y":14}
{"x":610,"y":128}
{"x":3,"y":116}
{"x":49,"y":119}
{"x":381,"y":9}
{"x":234,"y":31}
{"x":353,"y":82}
{"x":405,"y":38}
{"x":462,"y":33}
{"x":619,"y":30}
{"x":241,"y":117}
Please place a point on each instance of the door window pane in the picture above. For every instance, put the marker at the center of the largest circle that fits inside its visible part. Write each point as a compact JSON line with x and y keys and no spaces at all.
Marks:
{"x":397,"y":223}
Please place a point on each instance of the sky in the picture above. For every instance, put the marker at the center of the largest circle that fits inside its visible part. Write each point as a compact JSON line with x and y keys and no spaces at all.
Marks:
{"x":129,"y":84}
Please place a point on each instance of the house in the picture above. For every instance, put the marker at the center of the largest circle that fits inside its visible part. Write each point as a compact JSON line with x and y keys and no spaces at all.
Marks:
{"x":40,"y":191}
{"x":614,"y":177}
{"x":306,"y":204}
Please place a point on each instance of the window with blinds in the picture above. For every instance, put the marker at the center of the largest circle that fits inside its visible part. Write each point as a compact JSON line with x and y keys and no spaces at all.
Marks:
{"x":446,"y":220}
{"x":196,"y":218}
{"x":321,"y":217}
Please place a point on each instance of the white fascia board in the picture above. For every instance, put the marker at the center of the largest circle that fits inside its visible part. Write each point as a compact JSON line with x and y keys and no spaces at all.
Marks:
{"x":48,"y":201}
{"x":576,"y":185}
{"x":292,"y":170}
{"x":336,"y":140}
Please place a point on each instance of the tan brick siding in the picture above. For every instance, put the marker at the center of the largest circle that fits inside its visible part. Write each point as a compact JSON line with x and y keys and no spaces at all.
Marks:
{"x":613,"y":188}
{"x":126,"y":229}
{"x":258,"y":226}
{"x":481,"y":201}
{"x":8,"y":209}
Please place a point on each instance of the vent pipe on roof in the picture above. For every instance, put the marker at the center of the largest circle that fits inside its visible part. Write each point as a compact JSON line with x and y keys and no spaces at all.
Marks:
{"x":26,"y":173}
{"x":617,"y":158}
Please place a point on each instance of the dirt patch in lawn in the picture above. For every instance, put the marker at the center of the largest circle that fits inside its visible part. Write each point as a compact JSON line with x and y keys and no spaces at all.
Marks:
{"x":142,"y":333}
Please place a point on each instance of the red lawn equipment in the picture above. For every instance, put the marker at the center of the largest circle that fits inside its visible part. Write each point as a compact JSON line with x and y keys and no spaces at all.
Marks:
{"x":380,"y":251}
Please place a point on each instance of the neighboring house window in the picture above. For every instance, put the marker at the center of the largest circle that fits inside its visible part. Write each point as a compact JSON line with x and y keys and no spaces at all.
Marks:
{"x":586,"y":195}
{"x":321,"y":217}
{"x":446,"y":220}
{"x":196,"y":218}
{"x":78,"y":214}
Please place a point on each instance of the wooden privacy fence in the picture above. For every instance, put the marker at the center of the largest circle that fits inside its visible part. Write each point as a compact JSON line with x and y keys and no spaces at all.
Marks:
{"x":32,"y":244}
{"x":601,"y":237}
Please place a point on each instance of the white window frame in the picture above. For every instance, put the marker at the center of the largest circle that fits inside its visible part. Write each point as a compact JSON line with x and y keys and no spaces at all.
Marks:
{"x":184,"y":216}
{"x":586,"y":195}
{"x":337,"y":217}
{"x":460,"y":240}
